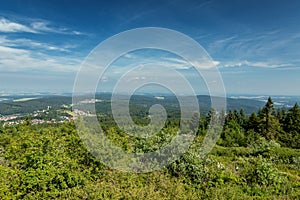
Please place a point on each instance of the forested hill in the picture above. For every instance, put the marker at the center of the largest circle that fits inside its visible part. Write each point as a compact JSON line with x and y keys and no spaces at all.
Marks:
{"x":27,"y":104}
{"x":22,"y":105}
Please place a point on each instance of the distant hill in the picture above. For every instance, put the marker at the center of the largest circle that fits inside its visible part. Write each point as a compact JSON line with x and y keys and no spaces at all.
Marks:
{"x":11,"y":106}
{"x":28,"y":104}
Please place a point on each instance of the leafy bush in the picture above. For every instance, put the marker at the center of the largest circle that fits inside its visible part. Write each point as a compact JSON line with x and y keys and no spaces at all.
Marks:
{"x":50,"y":161}
{"x":258,"y":171}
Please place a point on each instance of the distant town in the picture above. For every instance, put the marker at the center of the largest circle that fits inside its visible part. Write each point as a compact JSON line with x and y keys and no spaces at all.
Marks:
{"x":48,"y":115}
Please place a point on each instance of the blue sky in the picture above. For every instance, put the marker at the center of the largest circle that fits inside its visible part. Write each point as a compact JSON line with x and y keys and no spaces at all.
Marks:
{"x":254,"y":44}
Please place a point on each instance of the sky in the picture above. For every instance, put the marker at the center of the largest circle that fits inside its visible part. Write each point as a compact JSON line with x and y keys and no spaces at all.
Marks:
{"x":255,"y":45}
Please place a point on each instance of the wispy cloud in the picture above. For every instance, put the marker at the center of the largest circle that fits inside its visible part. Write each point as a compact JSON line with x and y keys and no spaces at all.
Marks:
{"x":18,"y":60}
{"x":264,"y":64}
{"x":45,"y":26}
{"x":179,"y":63}
{"x":19,"y":54}
{"x":9,"y":26}
{"x":22,"y":42}
{"x":221,"y":43}
{"x":37,"y":26}
{"x":265,"y":49}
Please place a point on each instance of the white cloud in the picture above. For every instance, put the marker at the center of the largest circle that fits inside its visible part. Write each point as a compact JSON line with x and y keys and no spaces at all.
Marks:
{"x":268,"y":49}
{"x":175,"y":63}
{"x":175,"y":60}
{"x":9,"y":26}
{"x":201,"y":65}
{"x":77,"y":33}
{"x":42,"y":26}
{"x":9,"y":50}
{"x":14,"y":59}
{"x":264,"y":64}
{"x":45,"y":26}
{"x":180,"y":63}
{"x":39,"y":26}
{"x":222,"y":42}
{"x":128,"y":55}
{"x":215,"y":62}
{"x":4,"y":41}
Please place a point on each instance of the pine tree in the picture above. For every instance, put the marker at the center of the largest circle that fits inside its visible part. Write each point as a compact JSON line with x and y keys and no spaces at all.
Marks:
{"x":229,"y":117}
{"x":212,"y":117}
{"x":290,"y":137}
{"x":253,"y":123}
{"x":270,"y":125}
{"x":292,"y":122}
{"x":267,"y":111}
{"x":194,"y":124}
{"x":281,"y":115}
{"x":232,"y":134}
{"x":242,"y":115}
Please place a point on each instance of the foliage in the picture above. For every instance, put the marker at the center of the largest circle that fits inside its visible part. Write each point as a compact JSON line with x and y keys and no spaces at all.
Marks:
{"x":257,"y":157}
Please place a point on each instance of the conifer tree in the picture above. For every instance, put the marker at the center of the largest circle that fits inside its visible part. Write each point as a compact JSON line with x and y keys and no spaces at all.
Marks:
{"x":270,"y":125}
{"x":292,"y":121}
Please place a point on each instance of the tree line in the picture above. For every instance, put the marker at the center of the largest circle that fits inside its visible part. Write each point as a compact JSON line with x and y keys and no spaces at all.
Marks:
{"x":281,"y":125}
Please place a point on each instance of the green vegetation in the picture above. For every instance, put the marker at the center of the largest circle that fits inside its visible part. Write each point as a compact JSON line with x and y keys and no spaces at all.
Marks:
{"x":32,"y":104}
{"x":257,"y":157}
